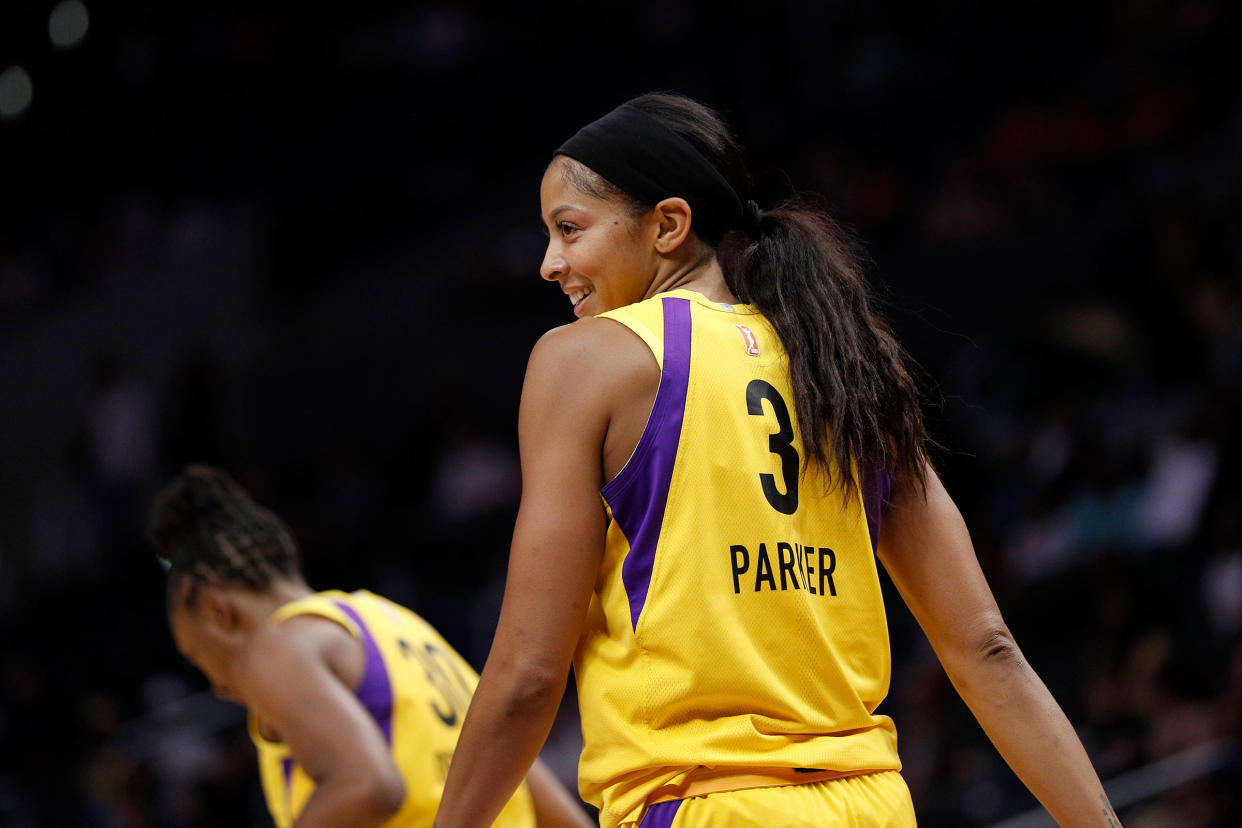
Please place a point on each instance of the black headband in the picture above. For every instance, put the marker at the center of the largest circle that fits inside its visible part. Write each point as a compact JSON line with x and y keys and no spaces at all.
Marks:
{"x":650,"y":162}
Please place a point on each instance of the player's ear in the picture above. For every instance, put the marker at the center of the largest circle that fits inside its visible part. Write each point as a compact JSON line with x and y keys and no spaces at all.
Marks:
{"x":216,"y":608}
{"x":672,"y":216}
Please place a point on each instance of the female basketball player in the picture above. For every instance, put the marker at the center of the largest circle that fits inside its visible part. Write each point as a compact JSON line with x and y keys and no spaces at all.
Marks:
{"x":355,"y":702}
{"x":746,"y":418}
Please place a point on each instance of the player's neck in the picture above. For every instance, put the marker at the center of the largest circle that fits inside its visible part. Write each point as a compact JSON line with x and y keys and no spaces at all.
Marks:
{"x":285,"y":590}
{"x":703,"y":275}
{"x":260,"y":606}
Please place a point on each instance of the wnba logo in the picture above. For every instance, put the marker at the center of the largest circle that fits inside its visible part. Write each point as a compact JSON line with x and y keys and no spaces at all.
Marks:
{"x":748,"y":339}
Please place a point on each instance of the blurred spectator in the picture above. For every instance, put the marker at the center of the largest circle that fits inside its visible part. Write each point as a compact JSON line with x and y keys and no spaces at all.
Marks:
{"x":67,"y":533}
{"x":120,"y":430}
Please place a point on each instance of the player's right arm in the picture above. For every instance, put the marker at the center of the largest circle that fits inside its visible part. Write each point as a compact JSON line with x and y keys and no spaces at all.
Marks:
{"x":927,"y":551}
{"x":285,"y":678}
{"x":574,"y":382}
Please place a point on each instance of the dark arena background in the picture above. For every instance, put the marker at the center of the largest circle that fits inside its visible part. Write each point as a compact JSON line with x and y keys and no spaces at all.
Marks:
{"x":302,"y":243}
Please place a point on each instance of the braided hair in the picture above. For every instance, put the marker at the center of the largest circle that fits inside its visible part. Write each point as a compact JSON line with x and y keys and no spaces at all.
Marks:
{"x":207,"y":530}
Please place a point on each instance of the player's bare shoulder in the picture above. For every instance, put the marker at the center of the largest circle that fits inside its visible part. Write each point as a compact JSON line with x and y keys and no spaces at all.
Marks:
{"x":277,"y":651}
{"x":597,"y":378}
{"x":599,"y":357}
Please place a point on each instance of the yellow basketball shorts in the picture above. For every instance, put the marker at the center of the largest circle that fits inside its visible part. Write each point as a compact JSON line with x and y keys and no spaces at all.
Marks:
{"x":872,"y":800}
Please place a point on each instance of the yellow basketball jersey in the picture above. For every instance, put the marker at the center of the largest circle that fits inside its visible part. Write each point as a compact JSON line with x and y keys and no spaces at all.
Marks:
{"x":414,"y":685}
{"x":737,"y":634}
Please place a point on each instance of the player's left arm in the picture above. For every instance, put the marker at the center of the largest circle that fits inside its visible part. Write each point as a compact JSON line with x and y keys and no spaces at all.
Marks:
{"x":555,"y":806}
{"x":927,"y":551}
{"x":284,"y":676}
{"x":553,"y":563}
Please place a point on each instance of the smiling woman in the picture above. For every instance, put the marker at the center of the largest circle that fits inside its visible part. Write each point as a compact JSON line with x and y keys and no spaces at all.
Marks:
{"x":707,"y":456}
{"x":596,"y":246}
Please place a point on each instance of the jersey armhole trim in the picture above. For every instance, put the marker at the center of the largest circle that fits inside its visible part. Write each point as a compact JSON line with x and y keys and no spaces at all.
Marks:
{"x":639,"y":509}
{"x":877,"y":490}
{"x":321,"y":605}
{"x":654,"y":343}
{"x":375,"y":689}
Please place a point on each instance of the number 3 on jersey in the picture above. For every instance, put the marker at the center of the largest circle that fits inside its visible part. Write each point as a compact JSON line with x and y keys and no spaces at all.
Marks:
{"x":780,"y":444}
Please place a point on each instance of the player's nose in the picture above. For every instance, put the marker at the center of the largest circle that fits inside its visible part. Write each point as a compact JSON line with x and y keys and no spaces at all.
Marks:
{"x":553,"y":266}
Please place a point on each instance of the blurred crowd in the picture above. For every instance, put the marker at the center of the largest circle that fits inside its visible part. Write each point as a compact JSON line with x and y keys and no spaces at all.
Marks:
{"x":312,"y":259}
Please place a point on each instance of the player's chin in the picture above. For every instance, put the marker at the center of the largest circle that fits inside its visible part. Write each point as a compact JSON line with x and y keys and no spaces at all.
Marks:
{"x":225,"y":694}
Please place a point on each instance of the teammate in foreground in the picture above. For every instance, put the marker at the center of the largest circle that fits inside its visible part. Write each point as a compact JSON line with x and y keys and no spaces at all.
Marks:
{"x":748,"y":421}
{"x":355,"y":702}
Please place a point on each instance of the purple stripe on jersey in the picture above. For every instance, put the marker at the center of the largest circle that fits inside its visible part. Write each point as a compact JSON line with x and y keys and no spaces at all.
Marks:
{"x":639,"y":494}
{"x":660,"y":816}
{"x":286,"y":767}
{"x":374,"y":691}
{"x":876,"y":489}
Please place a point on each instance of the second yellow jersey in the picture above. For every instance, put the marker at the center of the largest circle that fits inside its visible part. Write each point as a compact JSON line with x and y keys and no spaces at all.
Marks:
{"x":416,"y":688}
{"x":737,"y":633}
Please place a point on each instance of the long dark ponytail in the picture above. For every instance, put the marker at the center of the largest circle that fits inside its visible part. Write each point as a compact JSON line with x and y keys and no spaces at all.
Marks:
{"x":854,"y":396}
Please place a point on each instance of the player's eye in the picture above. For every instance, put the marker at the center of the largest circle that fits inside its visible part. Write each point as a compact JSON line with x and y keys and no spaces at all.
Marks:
{"x":566,"y":229}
